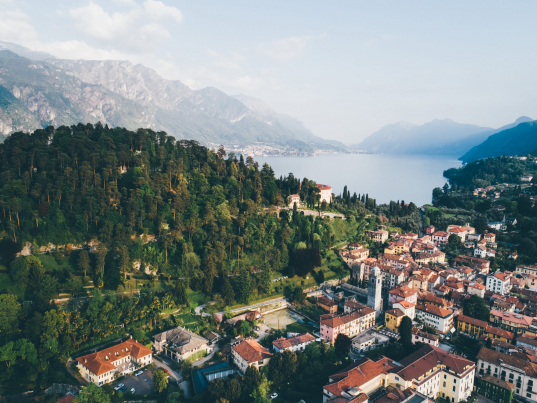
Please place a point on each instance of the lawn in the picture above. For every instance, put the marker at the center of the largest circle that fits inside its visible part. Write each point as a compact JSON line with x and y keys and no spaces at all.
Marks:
{"x":298,"y":327}
{"x":195,"y":298}
{"x":50,"y":264}
{"x":6,"y":285}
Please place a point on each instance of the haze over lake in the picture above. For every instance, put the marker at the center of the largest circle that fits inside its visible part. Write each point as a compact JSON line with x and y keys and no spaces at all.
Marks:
{"x":384,"y":177}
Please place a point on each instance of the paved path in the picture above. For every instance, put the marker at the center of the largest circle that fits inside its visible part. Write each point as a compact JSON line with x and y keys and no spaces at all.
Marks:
{"x":185,"y":385}
{"x":171,"y":372}
{"x":205,"y":359}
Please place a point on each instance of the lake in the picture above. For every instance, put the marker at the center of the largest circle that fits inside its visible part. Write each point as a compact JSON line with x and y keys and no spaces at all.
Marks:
{"x":384,"y":177}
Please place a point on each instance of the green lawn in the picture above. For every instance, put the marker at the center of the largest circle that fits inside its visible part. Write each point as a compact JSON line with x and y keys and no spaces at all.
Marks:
{"x":298,"y":327}
{"x":6,"y":285}
{"x":195,"y":298}
{"x":50,"y":264}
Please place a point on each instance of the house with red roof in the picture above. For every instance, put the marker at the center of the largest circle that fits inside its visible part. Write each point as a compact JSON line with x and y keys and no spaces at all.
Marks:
{"x":325,"y":193}
{"x":249,"y":353}
{"x":101,"y":367}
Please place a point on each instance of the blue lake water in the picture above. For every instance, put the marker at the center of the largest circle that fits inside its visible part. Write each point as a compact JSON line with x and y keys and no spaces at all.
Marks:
{"x":384,"y":177}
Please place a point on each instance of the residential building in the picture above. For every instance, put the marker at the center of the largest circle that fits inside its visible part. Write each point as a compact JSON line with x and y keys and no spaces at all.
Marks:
{"x":512,"y":322}
{"x":104,"y":366}
{"x":403,"y":293}
{"x":325,"y":193}
{"x":476,"y":289}
{"x":496,"y":333}
{"x":351,"y":305}
{"x":427,"y":258}
{"x":496,"y":389}
{"x":180,"y":343}
{"x":530,"y":281}
{"x":483,"y":265}
{"x":293,"y":343}
{"x":429,"y":230}
{"x":249,"y":353}
{"x":461,"y":232}
{"x":393,"y":318}
{"x":327,"y":304}
{"x":418,"y":283}
{"x":369,"y":341}
{"x":520,"y":372}
{"x":490,"y":237}
{"x":294,"y":199}
{"x":419,"y":336}
{"x":526,"y":342}
{"x":349,"y":324}
{"x":439,"y":318}
{"x":429,"y":371}
{"x":484,"y":252}
{"x":408,"y":308}
{"x":471,"y":327}
{"x":380,"y":235}
{"x":526,"y":269}
{"x":526,"y":178}
{"x":440,"y":238}
{"x":499,"y":283}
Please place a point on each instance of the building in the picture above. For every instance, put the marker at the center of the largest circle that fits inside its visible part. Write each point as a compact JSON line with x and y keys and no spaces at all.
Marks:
{"x":408,"y":308}
{"x":249,"y":353}
{"x":526,"y":342}
{"x":327,"y":304}
{"x":440,"y":238}
{"x":103,"y":366}
{"x":374,"y":291}
{"x":429,"y":230}
{"x":202,"y":377}
{"x":429,"y":371}
{"x":325,"y":193}
{"x":293,"y":343}
{"x":379,"y":235}
{"x":512,"y":322}
{"x":350,"y":324}
{"x":439,"y":318}
{"x":483,"y":265}
{"x":526,"y":178}
{"x":294,"y":199}
{"x":351,"y":305}
{"x":520,"y":372}
{"x":393,"y":318}
{"x":180,"y":343}
{"x":476,"y":289}
{"x":496,"y":389}
{"x":490,"y":237}
{"x":369,"y":341}
{"x":419,"y":336}
{"x":499,"y":283}
{"x":476,"y":328}
{"x":403,"y":293}
{"x":526,"y":269}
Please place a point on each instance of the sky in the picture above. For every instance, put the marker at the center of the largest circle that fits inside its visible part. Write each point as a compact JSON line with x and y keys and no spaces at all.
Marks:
{"x":344,"y":68}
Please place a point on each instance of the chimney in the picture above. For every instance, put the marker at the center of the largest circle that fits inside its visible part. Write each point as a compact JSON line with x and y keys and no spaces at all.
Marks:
{"x":131,"y":336}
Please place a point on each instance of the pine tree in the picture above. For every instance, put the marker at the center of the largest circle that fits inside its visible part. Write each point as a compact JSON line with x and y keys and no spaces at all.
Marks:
{"x":84,"y":262}
{"x":245,"y":286}
{"x":226,"y":290}
{"x":180,"y":292}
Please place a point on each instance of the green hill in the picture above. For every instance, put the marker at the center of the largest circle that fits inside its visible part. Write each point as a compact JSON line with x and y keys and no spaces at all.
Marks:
{"x":519,"y":140}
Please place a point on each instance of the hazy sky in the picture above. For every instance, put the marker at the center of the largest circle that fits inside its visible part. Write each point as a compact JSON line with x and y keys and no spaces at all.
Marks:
{"x":344,"y":68}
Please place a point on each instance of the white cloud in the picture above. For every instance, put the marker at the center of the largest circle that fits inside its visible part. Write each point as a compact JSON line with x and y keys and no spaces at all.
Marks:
{"x":136,"y":29}
{"x":285,"y":49}
{"x":159,"y":11}
{"x":15,"y":25}
{"x":232,"y":61}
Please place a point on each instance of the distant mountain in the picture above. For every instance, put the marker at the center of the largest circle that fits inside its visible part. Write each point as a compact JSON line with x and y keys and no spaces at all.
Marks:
{"x":409,"y":138}
{"x":25,"y":52}
{"x":37,"y":93}
{"x":518,"y":140}
{"x":462,"y":146}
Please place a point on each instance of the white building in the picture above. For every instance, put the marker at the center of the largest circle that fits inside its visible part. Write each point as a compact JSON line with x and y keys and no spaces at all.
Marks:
{"x":499,"y":283}
{"x":326,"y":193}
{"x":429,"y":371}
{"x":293,"y":343}
{"x":408,"y":308}
{"x":439,"y":318}
{"x":484,"y":252}
{"x":103,"y":366}
{"x":423,"y":337}
{"x":369,"y":341}
{"x":293,"y":199}
{"x":250,"y":353}
{"x":522,"y":373}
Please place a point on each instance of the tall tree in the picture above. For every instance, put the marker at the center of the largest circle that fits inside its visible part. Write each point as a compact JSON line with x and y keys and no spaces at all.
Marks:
{"x":405,"y":330}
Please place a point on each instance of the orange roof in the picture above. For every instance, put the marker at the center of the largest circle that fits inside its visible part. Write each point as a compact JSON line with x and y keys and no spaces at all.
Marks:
{"x":433,"y":309}
{"x":405,"y":304}
{"x":251,"y":351}
{"x":101,"y":361}
{"x":502,"y":276}
{"x":457,"y":230}
{"x":512,"y":317}
{"x":283,"y":343}
{"x":472,"y":321}
{"x":476,"y":285}
{"x":500,"y":332}
{"x":324,"y":187}
{"x":441,"y":234}
{"x":403,"y":292}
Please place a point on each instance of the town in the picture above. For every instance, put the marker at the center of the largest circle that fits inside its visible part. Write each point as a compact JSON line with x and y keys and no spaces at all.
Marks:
{"x":184,"y":276}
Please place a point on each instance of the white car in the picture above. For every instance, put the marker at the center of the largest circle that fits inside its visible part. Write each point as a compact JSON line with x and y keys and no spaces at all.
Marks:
{"x":139,"y":373}
{"x":274,"y":395}
{"x":119,"y":386}
{"x":133,"y":390}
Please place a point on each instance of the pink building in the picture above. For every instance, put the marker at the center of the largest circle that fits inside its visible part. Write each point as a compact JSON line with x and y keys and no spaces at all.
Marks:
{"x":326,"y":193}
{"x":294,"y":199}
{"x":350,"y":324}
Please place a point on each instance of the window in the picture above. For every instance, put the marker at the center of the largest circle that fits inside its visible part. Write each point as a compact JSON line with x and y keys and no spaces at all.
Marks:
{"x":453,"y":388}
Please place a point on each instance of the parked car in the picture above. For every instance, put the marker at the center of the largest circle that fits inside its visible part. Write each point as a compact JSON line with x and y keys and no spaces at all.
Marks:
{"x":139,"y":373}
{"x":274,"y":395}
{"x":119,"y":386}
{"x":133,"y":390}
{"x":123,"y":389}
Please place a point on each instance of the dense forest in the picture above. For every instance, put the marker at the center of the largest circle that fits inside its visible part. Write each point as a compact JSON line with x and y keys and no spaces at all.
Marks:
{"x":490,"y":171}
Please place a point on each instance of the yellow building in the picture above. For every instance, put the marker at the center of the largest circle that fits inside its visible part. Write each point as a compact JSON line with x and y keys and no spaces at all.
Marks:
{"x":393,"y":319}
{"x":500,"y":334}
{"x":511,"y":322}
{"x":471,"y":327}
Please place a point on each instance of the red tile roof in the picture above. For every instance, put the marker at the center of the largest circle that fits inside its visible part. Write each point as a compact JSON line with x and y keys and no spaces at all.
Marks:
{"x":495,"y":357}
{"x":441,"y":312}
{"x":283,"y":343}
{"x":251,"y":351}
{"x":472,"y":321}
{"x":403,"y":292}
{"x":101,"y":361}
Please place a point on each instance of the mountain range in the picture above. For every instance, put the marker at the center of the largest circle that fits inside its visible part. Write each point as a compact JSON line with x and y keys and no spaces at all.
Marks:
{"x":446,"y":137}
{"x":37,"y":90}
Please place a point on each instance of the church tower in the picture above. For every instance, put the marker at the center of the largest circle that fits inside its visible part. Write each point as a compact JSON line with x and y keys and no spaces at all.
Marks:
{"x":374,"y":292}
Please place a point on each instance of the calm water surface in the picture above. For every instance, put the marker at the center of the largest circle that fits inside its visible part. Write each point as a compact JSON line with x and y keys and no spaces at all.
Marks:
{"x":384,"y":177}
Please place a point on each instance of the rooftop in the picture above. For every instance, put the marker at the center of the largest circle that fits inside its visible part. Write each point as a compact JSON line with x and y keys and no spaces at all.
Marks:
{"x":497,"y":358}
{"x":283,"y":343}
{"x":251,"y":351}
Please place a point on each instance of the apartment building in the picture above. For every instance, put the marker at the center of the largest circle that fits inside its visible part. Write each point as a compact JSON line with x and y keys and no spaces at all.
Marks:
{"x":499,"y":283}
{"x":350,"y":324}
{"x":512,"y":322}
{"x":520,"y":372}
{"x":430,"y":371}
{"x":439,"y":318}
{"x":294,"y":343}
